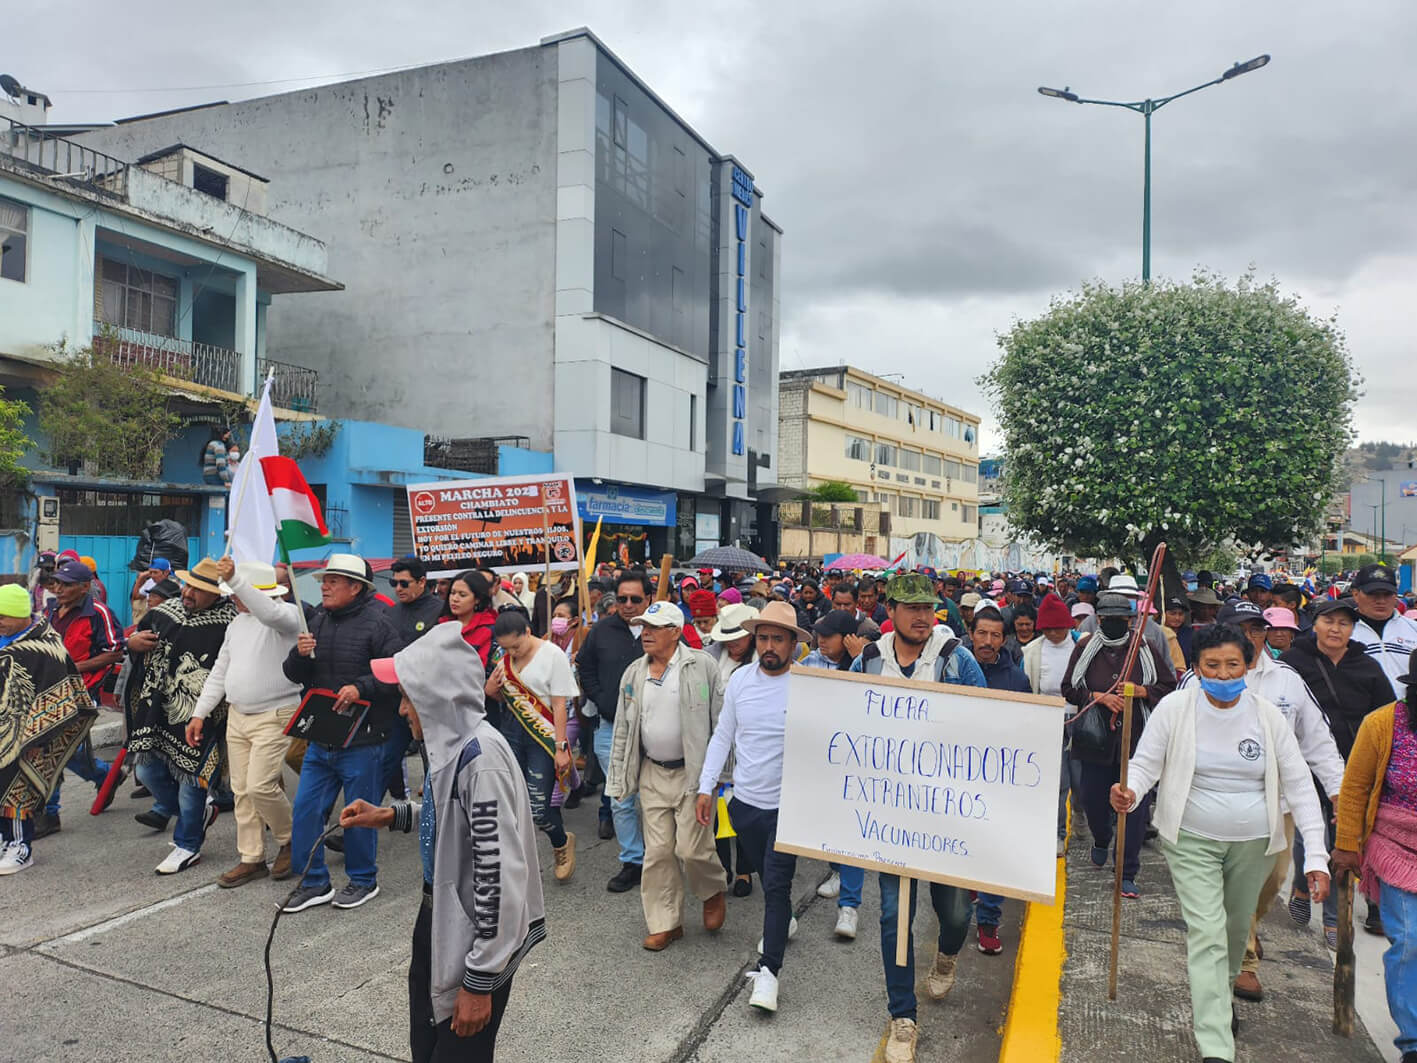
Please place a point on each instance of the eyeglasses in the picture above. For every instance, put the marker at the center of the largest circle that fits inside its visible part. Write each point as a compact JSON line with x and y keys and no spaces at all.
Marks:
{"x":629,"y":599}
{"x":401,"y":582}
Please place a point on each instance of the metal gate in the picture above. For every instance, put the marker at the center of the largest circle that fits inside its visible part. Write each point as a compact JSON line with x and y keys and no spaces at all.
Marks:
{"x":113,"y":552}
{"x":403,"y":527}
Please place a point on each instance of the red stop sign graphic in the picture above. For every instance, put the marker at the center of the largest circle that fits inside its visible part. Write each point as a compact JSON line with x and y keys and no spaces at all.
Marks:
{"x":424,"y":503}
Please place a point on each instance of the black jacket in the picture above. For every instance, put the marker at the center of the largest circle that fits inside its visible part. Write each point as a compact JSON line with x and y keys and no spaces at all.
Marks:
{"x":346,"y":640}
{"x":418,"y":617}
{"x":608,"y":650}
{"x":1345,"y":694}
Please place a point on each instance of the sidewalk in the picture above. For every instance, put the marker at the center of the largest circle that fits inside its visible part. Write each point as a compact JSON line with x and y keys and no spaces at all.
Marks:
{"x":1151,"y":1018}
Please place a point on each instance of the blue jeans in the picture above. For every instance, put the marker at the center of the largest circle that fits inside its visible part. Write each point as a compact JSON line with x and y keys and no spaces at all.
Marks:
{"x":322,"y":774}
{"x":83,"y":764}
{"x":391,"y":759}
{"x":185,"y":800}
{"x":626,"y":814}
{"x":853,"y":880}
{"x":540,"y":772}
{"x":988,"y":909}
{"x":1400,"y":962}
{"x":952,"y":908}
{"x":757,"y":830}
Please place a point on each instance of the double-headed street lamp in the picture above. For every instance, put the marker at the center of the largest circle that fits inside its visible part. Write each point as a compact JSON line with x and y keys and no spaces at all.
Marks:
{"x":1146,"y":108}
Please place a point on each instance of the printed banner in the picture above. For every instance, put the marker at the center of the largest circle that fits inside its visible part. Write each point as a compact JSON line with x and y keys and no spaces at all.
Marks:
{"x":947,"y":783}
{"x":462,"y":524}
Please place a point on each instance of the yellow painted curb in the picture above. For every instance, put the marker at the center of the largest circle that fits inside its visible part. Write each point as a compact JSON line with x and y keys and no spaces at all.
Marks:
{"x":1031,"y":1026}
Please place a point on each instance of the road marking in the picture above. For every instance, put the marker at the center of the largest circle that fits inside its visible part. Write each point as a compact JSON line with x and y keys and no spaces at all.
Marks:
{"x":128,"y":917}
{"x":1031,"y":1025}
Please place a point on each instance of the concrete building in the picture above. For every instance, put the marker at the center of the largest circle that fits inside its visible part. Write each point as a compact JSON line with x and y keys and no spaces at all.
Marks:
{"x":534,"y":245}
{"x":143,"y":264}
{"x":913,"y":456}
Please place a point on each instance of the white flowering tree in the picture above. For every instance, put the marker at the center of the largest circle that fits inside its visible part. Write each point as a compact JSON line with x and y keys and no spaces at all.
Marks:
{"x":1204,"y":414}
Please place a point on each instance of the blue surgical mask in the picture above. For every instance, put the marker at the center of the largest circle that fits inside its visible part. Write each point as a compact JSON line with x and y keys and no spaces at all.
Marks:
{"x":1191,"y":585}
{"x":1223,"y":689}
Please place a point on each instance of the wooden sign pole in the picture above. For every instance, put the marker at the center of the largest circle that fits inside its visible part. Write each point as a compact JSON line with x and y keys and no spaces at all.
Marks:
{"x":1343,"y":967}
{"x":1119,"y":857}
{"x":902,"y":924}
{"x":661,"y":593}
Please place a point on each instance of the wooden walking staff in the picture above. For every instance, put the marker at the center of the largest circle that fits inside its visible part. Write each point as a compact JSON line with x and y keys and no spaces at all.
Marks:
{"x":1128,"y":692}
{"x":661,"y":593}
{"x":902,"y":924}
{"x":1343,"y":967}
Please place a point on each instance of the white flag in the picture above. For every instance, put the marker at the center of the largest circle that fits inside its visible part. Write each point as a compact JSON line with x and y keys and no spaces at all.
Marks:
{"x":253,"y":522}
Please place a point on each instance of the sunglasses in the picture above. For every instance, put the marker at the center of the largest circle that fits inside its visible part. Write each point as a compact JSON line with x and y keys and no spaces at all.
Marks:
{"x":401,"y":582}
{"x":629,"y":599}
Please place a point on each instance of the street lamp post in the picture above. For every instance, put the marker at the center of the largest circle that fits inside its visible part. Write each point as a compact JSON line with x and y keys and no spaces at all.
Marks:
{"x":1382,"y":549}
{"x":1146,"y":108}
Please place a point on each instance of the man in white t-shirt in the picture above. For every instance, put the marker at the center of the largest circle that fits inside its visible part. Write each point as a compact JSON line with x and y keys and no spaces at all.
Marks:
{"x":752,"y":724}
{"x":1045,"y":662}
{"x":668,"y":705}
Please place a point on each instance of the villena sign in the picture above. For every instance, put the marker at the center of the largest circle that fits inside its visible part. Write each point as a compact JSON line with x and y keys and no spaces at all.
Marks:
{"x":743,"y":197}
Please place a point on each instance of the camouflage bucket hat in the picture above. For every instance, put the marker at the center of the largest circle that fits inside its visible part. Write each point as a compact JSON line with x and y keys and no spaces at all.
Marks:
{"x":911,"y":588}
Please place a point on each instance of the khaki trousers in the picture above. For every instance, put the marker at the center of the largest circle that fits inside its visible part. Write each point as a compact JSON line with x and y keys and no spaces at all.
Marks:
{"x":255,"y":749}
{"x":1278,"y":876}
{"x":673,"y":836}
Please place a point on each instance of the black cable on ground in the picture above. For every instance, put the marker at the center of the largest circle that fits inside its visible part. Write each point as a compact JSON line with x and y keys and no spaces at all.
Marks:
{"x":270,"y":980}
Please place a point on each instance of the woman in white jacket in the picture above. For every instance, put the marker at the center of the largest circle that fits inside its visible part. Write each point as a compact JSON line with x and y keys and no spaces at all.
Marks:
{"x":1221,"y":756}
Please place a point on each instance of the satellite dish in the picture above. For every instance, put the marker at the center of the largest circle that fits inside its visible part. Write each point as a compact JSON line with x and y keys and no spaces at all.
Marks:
{"x":9,"y":85}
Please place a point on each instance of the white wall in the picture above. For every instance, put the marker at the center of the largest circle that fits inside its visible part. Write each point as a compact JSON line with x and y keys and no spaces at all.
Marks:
{"x":45,"y":308}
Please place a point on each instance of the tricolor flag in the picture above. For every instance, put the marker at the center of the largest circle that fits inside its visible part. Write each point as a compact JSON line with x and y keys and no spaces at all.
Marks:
{"x":299,"y":524}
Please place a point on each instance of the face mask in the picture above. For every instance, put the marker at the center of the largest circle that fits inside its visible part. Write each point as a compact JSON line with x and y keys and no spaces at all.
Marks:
{"x":1223,"y":689}
{"x":560,"y":625}
{"x":1114,"y":627}
{"x":1192,"y":585}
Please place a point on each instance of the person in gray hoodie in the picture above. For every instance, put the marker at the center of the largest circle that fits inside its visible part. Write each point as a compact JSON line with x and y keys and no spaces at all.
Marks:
{"x":482,"y":908}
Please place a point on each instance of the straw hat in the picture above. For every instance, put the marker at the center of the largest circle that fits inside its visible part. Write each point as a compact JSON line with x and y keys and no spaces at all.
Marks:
{"x":203,"y":576}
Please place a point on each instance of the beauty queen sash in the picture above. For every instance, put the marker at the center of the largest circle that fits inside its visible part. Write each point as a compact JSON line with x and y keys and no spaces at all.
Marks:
{"x":530,"y":710}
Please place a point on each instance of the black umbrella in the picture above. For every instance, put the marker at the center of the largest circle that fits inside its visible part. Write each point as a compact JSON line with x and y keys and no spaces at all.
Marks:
{"x":730,"y":559}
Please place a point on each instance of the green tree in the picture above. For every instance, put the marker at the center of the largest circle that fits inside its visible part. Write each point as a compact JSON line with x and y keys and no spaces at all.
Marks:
{"x":113,"y":416}
{"x":833,"y":491}
{"x":1331,"y":565}
{"x":1208,"y":415}
{"x":14,"y":443}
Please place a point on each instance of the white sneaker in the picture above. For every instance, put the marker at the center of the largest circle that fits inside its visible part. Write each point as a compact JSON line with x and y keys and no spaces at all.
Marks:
{"x":178,"y":860}
{"x":831,"y":887}
{"x":941,"y":978}
{"x":764,"y":996}
{"x":791,"y":933}
{"x":15,"y":857}
{"x":846,"y":923}
{"x":901,"y":1035}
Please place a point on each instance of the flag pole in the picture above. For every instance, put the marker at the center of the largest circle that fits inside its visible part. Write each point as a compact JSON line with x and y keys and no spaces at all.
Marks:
{"x":294,"y":591}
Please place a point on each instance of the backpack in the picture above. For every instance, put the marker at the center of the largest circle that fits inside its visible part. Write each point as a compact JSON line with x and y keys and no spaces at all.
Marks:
{"x":946,"y":667}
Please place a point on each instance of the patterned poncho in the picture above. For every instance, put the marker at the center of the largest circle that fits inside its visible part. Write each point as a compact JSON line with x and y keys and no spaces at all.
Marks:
{"x":45,"y":713}
{"x":165,"y":685}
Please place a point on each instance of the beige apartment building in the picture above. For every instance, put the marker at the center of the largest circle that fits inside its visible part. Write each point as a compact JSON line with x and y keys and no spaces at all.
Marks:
{"x":914,"y":456}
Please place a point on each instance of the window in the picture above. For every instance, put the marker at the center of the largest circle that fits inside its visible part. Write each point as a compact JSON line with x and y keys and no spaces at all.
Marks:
{"x":931,"y":464}
{"x":971,"y":474}
{"x":885,"y":454}
{"x":934,"y":421}
{"x":907,"y":506}
{"x":14,"y":240}
{"x":887,"y":501}
{"x":859,"y":395}
{"x":627,"y":404}
{"x":910,"y":460}
{"x":622,"y":123}
{"x":969,"y":514}
{"x":953,"y":427}
{"x":912,"y":416}
{"x":886,"y":405}
{"x":858,"y":449}
{"x":619,"y":251}
{"x":930,"y":509}
{"x":863,"y":496}
{"x":693,"y":420}
{"x":139,"y":299}
{"x":209,"y":181}
{"x":952,"y":469}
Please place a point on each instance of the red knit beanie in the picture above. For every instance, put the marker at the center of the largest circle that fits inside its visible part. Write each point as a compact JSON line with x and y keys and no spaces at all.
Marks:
{"x":1052,"y":612}
{"x":703,"y":604}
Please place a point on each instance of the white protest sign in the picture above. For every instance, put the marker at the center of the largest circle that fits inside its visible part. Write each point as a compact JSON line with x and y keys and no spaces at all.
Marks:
{"x":948,"y":783}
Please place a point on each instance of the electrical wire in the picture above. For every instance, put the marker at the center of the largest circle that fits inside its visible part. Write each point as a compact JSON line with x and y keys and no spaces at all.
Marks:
{"x":270,"y":979}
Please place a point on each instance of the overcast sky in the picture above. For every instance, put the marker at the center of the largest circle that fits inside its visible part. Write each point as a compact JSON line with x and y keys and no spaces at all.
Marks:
{"x":929,"y":195}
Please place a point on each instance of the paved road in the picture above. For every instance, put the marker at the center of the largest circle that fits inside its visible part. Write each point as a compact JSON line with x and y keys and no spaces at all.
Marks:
{"x":103,"y":960}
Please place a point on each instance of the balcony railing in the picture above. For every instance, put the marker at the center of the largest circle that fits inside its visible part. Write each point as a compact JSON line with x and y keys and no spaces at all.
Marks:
{"x":201,"y":363}
{"x":62,"y":159}
{"x":294,"y":386}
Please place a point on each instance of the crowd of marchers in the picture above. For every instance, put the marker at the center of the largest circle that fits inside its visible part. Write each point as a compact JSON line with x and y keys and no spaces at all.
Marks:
{"x":1272,"y":747}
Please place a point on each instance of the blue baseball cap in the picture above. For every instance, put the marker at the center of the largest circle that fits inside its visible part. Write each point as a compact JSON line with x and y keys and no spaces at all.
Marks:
{"x":1088,"y":583}
{"x":1260,"y":580}
{"x":162,"y":564}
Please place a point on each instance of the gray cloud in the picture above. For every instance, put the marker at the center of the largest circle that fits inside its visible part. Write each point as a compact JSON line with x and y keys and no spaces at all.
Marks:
{"x":928,"y":193}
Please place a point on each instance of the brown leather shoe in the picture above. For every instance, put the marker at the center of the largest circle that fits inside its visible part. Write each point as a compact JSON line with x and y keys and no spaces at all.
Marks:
{"x":660,"y":942}
{"x":280,"y":870}
{"x":715,"y":909}
{"x":1247,"y":986}
{"x":241,"y":874}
